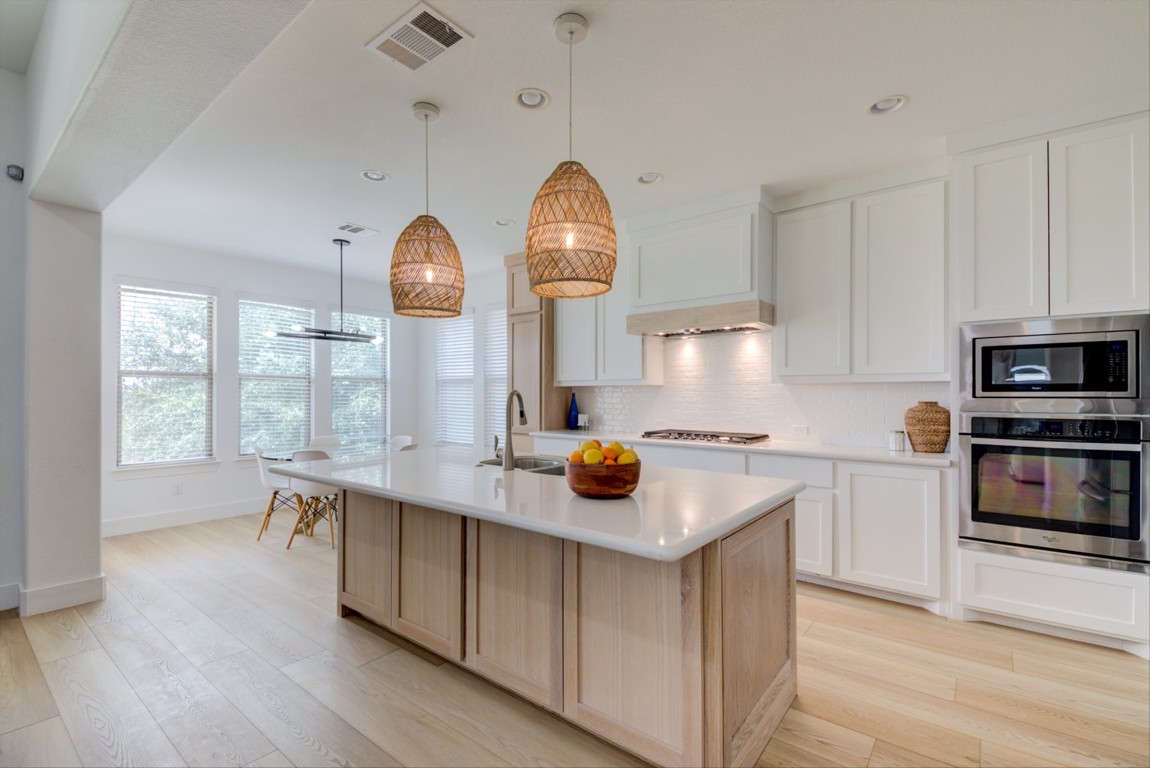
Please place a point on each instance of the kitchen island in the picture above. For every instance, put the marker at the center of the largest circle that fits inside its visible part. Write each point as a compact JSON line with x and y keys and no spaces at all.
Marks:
{"x":663,"y":622}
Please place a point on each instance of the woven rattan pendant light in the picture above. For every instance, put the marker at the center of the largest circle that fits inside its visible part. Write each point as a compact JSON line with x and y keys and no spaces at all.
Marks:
{"x":426,"y":271}
{"x":570,"y":232}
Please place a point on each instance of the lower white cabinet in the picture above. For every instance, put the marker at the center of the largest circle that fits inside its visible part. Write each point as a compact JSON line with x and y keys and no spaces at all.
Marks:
{"x":889,"y":525}
{"x":1109,"y":602}
{"x":814,"y":507}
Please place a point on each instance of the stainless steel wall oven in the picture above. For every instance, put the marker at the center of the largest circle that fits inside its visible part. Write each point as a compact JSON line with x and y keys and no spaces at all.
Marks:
{"x":1055,"y":438}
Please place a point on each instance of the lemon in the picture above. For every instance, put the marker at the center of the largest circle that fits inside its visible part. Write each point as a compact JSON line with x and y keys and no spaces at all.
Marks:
{"x":593,"y":456}
{"x":617,"y":447}
{"x":627,"y":457}
{"x":587,"y":446}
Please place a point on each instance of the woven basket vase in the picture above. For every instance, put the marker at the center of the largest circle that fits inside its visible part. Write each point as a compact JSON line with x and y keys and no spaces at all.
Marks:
{"x":928,"y":426}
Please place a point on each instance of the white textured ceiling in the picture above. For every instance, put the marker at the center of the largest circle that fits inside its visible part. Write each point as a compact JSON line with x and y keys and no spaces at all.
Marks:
{"x":717,"y":95}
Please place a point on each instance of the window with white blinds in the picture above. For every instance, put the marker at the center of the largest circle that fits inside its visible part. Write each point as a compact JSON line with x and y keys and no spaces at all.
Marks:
{"x":359,"y":380}
{"x":494,"y":375}
{"x":166,"y":377}
{"x":455,"y":381}
{"x":275,"y":379}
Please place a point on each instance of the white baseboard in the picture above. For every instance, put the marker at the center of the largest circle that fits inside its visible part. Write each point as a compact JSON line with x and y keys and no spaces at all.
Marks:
{"x":9,"y":596}
{"x":1067,"y":633}
{"x":33,"y":601}
{"x":182,"y":517}
{"x":934,"y":606}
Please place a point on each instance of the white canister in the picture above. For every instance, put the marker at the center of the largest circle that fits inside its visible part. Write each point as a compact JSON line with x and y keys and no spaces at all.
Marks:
{"x":896,"y":440}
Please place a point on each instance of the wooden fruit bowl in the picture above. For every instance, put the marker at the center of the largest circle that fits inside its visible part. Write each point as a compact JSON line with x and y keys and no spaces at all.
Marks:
{"x":603,"y":481}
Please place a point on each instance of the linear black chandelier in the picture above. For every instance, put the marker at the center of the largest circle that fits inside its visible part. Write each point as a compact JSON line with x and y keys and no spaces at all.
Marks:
{"x":320,"y":334}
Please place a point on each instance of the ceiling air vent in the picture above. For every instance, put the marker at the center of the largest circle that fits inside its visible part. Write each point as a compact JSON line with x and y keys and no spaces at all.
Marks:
{"x":357,"y":230}
{"x":419,"y":37}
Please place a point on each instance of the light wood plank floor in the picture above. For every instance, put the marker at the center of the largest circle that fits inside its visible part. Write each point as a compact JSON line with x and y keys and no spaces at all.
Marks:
{"x":213,"y":649}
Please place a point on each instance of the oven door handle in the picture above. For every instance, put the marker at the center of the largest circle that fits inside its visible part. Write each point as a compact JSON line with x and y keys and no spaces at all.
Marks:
{"x":1128,"y":447}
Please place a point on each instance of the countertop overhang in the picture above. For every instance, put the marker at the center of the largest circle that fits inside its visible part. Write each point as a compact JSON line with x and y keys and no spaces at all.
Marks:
{"x":672,"y":513}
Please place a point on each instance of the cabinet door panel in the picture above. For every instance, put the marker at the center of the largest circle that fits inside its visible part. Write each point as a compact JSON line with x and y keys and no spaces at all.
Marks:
{"x":427,"y":596}
{"x":519,"y":296}
{"x":695,"y":261}
{"x":366,"y":554}
{"x":1099,"y":179}
{"x":898,"y":297}
{"x":814,"y":532}
{"x":576,"y":323}
{"x":524,"y":333}
{"x":1001,"y":232}
{"x":813,"y":261}
{"x":889,"y":523}
{"x":515,"y":610}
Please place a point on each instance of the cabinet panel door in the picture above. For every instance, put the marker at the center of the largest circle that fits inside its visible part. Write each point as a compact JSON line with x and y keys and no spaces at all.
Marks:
{"x":519,"y":296}
{"x":898,"y":301}
{"x":814,"y":532}
{"x":575,"y":348}
{"x":889,"y":523}
{"x":813,"y":294}
{"x":524,"y":334}
{"x":1001,"y":232}
{"x":366,"y":554}
{"x":707,"y":258}
{"x":1099,"y":203}
{"x":515,"y":610}
{"x":427,"y":583}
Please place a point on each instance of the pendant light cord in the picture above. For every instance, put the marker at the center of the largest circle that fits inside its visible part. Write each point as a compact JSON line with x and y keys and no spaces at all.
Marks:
{"x":426,"y":172}
{"x":341,"y":287}
{"x":570,"y":90}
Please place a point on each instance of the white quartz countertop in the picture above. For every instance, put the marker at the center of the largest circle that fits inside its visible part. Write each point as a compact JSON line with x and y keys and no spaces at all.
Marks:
{"x":781,"y":447}
{"x":672,"y":513}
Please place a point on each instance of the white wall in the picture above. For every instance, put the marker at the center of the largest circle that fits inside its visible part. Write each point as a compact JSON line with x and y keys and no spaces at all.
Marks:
{"x":140,"y":499}
{"x":12,"y":212}
{"x":723,"y":382}
{"x":62,"y":359}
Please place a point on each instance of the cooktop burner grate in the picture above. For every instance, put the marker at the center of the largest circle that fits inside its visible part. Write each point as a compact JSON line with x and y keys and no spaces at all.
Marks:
{"x":734,"y":438}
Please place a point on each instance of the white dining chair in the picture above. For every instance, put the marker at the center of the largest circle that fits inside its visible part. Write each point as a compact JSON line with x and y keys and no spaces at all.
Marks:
{"x":326,"y":443}
{"x":313,"y":500}
{"x":410,"y":447}
{"x":399,"y":442}
{"x":282,"y":495}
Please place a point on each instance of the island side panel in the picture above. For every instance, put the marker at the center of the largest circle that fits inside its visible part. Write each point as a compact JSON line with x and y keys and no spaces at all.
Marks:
{"x":514,"y":610}
{"x":427,"y":584}
{"x":365,"y":556}
{"x":632,"y":651}
{"x":750,"y":619}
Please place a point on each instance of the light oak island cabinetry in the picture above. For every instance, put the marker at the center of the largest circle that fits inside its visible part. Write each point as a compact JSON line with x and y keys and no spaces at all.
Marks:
{"x":663,"y":622}
{"x":1057,"y":225}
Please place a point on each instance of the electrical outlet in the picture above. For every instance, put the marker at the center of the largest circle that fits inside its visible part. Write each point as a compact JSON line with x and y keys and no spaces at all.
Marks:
{"x":177,"y":489}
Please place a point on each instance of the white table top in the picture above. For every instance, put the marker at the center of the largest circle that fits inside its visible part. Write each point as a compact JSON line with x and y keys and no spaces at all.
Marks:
{"x":672,"y":513}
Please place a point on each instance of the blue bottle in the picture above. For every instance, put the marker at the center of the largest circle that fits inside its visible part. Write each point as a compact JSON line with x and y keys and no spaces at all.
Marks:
{"x":573,"y":414}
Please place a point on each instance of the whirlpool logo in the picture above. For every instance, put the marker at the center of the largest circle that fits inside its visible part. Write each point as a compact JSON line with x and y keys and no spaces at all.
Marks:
{"x":1050,"y":539}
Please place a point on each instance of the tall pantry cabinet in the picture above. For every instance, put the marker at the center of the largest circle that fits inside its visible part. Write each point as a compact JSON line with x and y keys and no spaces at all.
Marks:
{"x":531,"y":357}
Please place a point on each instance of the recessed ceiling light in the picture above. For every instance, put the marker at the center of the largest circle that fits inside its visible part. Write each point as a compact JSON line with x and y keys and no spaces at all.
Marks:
{"x":372,"y":175}
{"x":887,"y":104}
{"x":504,"y":222}
{"x":532,"y":98}
{"x":650,"y":177}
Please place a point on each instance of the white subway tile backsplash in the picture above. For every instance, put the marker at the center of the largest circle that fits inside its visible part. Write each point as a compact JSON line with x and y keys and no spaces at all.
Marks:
{"x":724,"y":383}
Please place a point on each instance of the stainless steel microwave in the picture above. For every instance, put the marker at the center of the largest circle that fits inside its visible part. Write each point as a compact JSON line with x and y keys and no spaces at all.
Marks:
{"x":1059,"y":365}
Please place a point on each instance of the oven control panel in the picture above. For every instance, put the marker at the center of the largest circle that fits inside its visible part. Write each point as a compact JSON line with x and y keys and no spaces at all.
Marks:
{"x":1084,"y":430}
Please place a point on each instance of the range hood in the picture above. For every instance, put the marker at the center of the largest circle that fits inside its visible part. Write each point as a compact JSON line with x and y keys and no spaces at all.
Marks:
{"x":729,"y":317}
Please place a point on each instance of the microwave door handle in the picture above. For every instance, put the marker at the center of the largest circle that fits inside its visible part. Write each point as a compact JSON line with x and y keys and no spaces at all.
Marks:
{"x":1129,"y":447}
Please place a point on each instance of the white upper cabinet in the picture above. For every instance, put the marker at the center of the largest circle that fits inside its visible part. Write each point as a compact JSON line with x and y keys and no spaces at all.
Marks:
{"x":592,"y":345}
{"x":813,"y":308}
{"x":1099,"y":214}
{"x":861,"y":291}
{"x":1056,"y":226}
{"x":898,"y":293}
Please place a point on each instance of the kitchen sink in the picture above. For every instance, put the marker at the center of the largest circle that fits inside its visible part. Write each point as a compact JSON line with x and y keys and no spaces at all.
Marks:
{"x":545,"y":465}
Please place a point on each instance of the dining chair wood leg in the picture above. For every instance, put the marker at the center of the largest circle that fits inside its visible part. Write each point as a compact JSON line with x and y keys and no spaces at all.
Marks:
{"x":267,"y":516}
{"x":301,"y":519}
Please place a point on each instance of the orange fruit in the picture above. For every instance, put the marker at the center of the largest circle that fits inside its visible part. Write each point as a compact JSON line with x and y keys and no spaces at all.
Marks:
{"x":576,"y":457}
{"x":597,"y":443}
{"x":610,"y":453}
{"x":608,"y":461}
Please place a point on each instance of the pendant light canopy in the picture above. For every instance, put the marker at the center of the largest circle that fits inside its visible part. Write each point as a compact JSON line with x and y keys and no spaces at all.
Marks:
{"x":426,"y":270}
{"x":319,"y":334}
{"x":571,"y":249}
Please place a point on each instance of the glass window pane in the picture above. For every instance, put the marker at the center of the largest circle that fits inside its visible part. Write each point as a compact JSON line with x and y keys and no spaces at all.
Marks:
{"x":164,"y":418}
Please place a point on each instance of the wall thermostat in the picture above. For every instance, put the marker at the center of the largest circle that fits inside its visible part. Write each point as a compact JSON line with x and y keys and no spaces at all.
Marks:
{"x":16,"y":172}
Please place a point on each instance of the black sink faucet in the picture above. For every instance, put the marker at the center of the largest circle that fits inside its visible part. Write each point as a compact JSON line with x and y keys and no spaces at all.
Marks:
{"x":508,"y":453}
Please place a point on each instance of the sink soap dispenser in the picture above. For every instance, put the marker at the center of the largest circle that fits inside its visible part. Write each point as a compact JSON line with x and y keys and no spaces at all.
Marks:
{"x":573,"y":414}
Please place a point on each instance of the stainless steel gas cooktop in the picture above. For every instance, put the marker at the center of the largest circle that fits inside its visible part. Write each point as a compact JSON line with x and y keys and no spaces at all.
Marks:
{"x":733,"y":438}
